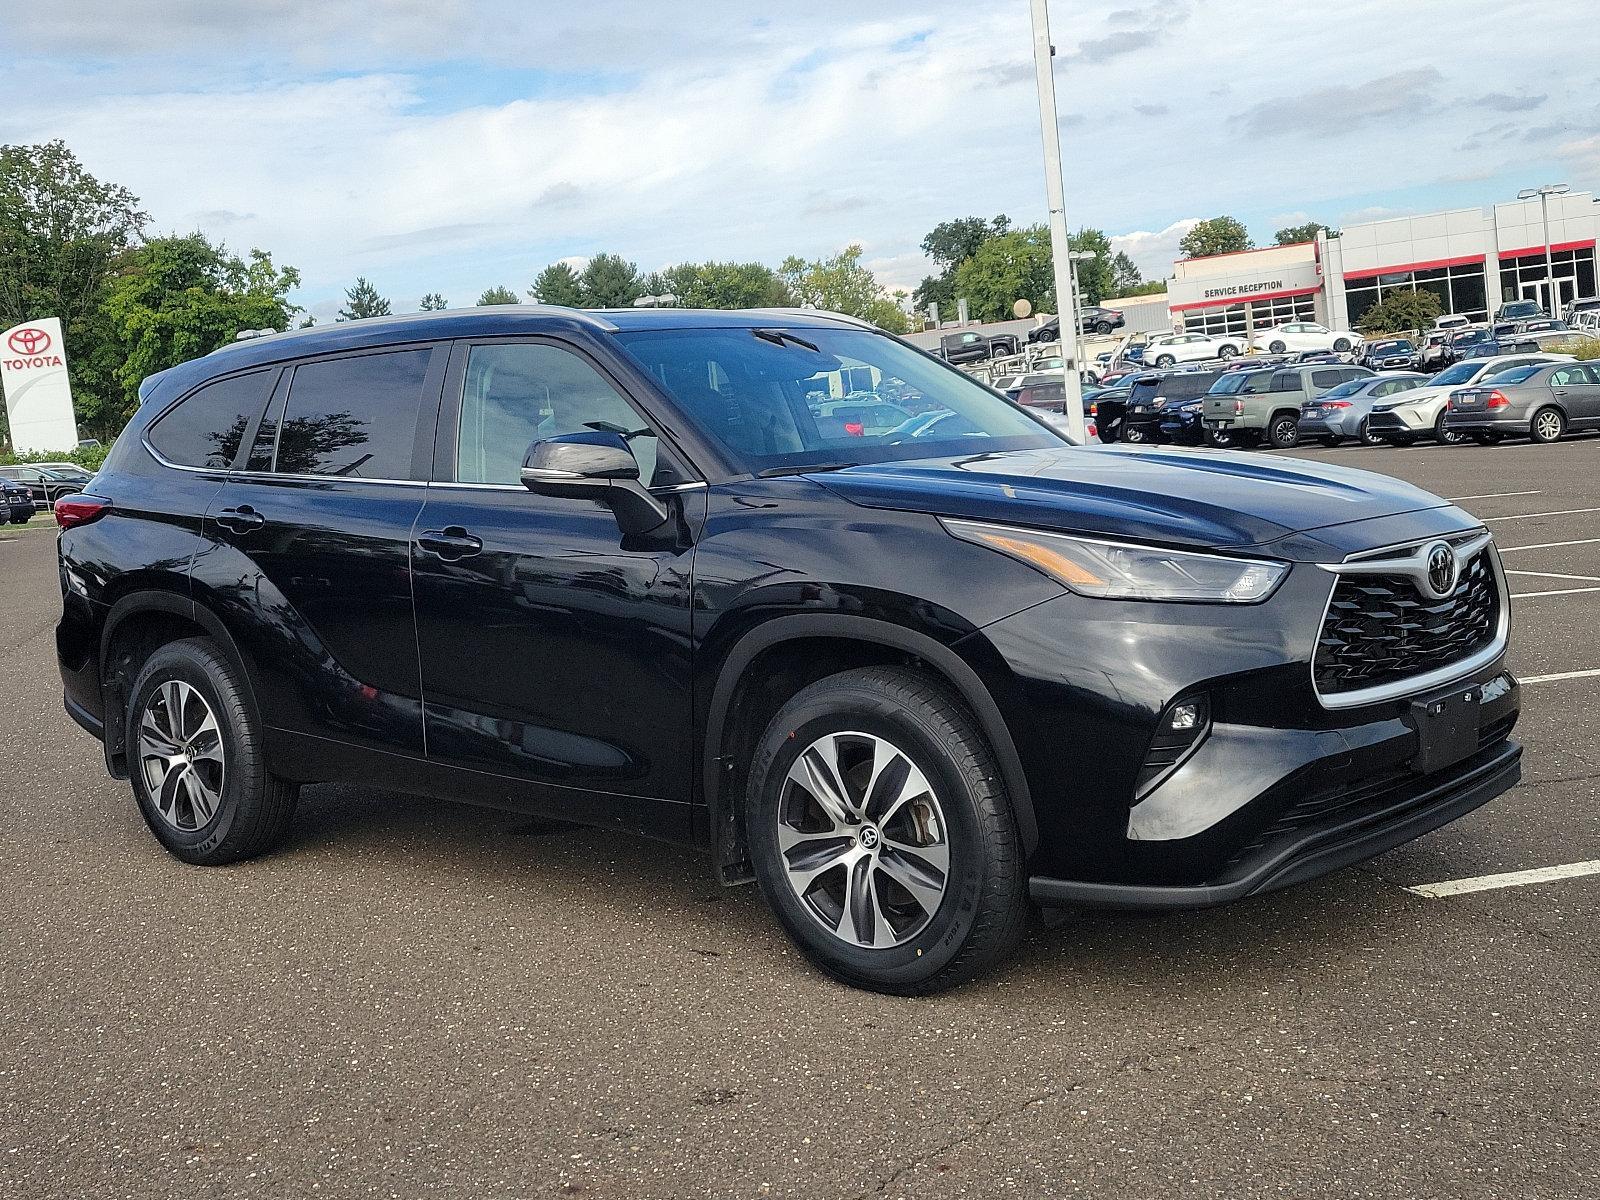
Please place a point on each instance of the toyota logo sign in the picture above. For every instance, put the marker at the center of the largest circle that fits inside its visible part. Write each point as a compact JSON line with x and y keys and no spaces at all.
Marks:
{"x":1441,"y":569}
{"x":29,"y":341}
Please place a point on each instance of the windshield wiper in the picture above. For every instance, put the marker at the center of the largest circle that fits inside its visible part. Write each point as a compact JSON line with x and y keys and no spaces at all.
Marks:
{"x":779,"y":336}
{"x":803,"y":469}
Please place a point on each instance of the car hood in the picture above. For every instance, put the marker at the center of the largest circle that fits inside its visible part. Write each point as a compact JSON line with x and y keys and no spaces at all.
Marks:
{"x":1175,"y":497}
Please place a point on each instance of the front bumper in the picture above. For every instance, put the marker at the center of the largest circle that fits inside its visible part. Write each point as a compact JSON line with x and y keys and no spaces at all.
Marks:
{"x":1400,"y":420}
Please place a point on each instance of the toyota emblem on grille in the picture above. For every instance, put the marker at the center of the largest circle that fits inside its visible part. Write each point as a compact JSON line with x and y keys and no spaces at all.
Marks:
{"x":1442,"y":569}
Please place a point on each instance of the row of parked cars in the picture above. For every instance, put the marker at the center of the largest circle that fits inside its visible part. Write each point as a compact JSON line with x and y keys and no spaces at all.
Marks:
{"x":35,"y":487}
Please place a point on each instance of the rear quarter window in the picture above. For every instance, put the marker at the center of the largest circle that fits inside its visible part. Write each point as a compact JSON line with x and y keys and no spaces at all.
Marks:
{"x":354,"y":417}
{"x":205,"y":428}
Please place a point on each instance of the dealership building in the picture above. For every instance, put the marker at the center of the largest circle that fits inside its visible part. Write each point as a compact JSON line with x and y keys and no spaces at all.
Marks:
{"x":1473,"y":259}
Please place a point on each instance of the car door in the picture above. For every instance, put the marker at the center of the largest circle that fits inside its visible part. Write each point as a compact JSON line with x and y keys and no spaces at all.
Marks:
{"x":1577,"y":387}
{"x":312,"y":547}
{"x":555,"y":651}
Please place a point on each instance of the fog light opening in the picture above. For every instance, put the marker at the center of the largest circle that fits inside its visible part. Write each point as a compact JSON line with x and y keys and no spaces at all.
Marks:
{"x":1182,"y":727}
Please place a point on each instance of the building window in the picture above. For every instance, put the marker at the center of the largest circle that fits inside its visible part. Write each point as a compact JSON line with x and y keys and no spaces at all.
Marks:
{"x":1527,"y":278}
{"x":1230,"y":319}
{"x":1460,"y":289}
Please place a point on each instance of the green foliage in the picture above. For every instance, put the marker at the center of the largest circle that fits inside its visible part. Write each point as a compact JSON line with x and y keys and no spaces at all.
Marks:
{"x":362,"y":301}
{"x":434,"y":302}
{"x":498,"y":295}
{"x":176,"y":298}
{"x":842,"y":284}
{"x":1219,"y":235}
{"x":1125,"y":275}
{"x":1097,"y":277}
{"x":610,"y":281}
{"x":721,"y":285}
{"x":1402,"y":311}
{"x":1588,"y":349}
{"x":557,"y":284}
{"x":949,"y":244}
{"x":1150,"y":287}
{"x":87,"y":457}
{"x":1015,"y":265}
{"x":1295,"y":234}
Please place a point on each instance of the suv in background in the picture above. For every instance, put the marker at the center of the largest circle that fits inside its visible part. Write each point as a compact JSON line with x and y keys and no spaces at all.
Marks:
{"x":1389,"y":354}
{"x":1171,"y":349}
{"x":47,"y":485}
{"x":609,"y":568}
{"x":1265,"y":406}
{"x":970,"y":346}
{"x":1519,"y":310}
{"x":1165,"y":406}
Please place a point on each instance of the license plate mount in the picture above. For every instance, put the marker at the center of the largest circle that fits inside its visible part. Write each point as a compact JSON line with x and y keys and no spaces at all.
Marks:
{"x":1447,"y":729}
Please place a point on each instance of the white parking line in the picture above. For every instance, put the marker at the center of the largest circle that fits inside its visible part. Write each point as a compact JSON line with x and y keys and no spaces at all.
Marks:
{"x":1484,"y":883}
{"x":1550,"y":545}
{"x":1556,"y":592}
{"x":1560,"y":512}
{"x":1556,"y":575}
{"x":1559,"y":675}
{"x":1491,"y":495}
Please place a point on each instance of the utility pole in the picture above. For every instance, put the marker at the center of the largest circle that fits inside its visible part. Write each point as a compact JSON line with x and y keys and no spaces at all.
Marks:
{"x":1544,"y":193}
{"x":1055,"y":195}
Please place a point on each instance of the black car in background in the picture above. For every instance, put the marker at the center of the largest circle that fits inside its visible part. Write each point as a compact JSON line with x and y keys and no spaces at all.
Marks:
{"x":610,"y":567}
{"x":1462,"y":343}
{"x":1389,"y":354}
{"x":16,"y":502}
{"x":46,"y":485}
{"x":1519,"y":310}
{"x":1092,"y":318}
{"x":1165,"y":406}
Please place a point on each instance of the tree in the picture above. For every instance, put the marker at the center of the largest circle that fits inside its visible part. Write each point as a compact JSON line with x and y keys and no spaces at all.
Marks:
{"x":949,"y":244}
{"x":497,"y":295}
{"x":362,"y":300}
{"x":1126,"y":278}
{"x":1402,"y":310}
{"x":1295,"y":234}
{"x":434,"y":302}
{"x":557,"y":284}
{"x":721,"y":285}
{"x":60,"y":231}
{"x":1097,"y":279}
{"x":842,"y":284}
{"x":1219,"y":235}
{"x":176,"y":298}
{"x":1015,"y":265}
{"x":610,"y":281}
{"x":1150,"y":287}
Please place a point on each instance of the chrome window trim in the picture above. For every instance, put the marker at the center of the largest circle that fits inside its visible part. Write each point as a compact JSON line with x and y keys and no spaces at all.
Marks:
{"x":1408,"y":562}
{"x":274,"y":475}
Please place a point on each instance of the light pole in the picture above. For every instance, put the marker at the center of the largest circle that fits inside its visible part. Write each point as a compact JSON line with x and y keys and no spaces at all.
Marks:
{"x":1544,"y":193}
{"x":1055,"y":193}
{"x":1075,"y":257}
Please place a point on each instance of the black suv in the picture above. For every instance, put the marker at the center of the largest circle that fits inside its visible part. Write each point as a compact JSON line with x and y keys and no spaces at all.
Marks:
{"x":1167,"y":406}
{"x":609,"y":567}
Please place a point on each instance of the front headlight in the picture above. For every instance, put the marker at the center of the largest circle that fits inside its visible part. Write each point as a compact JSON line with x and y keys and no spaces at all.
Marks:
{"x":1120,"y":571}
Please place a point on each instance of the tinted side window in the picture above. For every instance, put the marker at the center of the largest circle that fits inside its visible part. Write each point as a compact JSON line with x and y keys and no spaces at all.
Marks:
{"x":355,"y":417}
{"x":205,"y":429}
{"x":1285,"y":381}
{"x":523,"y":392}
{"x":1323,"y":380}
{"x":1186,"y":387}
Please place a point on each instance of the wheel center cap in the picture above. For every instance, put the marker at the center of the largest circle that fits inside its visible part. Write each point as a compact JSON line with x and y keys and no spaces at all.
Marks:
{"x":869,"y":837}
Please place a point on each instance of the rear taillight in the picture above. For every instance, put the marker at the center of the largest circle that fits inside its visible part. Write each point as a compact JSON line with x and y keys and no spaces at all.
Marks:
{"x":855,"y":429}
{"x":1094,"y":409}
{"x":1497,"y":399}
{"x":72,"y":511}
{"x":1092,"y":430}
{"x":1336,"y":404}
{"x":1238,"y":408}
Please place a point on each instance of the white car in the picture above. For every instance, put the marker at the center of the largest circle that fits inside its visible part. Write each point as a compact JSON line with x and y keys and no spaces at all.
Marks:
{"x":1419,"y":413}
{"x":1171,"y":349}
{"x":1304,"y":335}
{"x":1451,"y":321}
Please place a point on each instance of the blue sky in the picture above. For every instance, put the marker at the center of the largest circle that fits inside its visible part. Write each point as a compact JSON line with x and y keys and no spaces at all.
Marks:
{"x":437,"y":146}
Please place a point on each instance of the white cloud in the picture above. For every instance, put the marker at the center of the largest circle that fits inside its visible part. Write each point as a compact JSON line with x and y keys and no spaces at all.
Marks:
{"x":1154,"y":252}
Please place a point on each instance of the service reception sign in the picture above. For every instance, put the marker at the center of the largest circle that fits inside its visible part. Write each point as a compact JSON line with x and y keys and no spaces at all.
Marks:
{"x":33,"y":372}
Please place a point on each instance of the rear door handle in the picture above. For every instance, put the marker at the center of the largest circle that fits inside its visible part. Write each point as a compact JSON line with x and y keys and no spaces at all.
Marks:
{"x":450,"y":543}
{"x":240,"y":520}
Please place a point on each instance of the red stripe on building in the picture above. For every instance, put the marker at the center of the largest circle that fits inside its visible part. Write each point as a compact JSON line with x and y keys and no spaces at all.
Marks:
{"x":1225,"y":301}
{"x":1370,"y":272}
{"x":1539,"y":250}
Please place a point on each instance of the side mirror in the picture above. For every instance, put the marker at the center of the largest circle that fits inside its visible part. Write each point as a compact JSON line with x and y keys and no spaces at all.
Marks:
{"x":594,"y":466}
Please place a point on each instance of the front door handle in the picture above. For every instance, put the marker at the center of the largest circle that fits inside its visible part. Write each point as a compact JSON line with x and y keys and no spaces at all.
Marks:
{"x":450,"y":543}
{"x":240,"y":520}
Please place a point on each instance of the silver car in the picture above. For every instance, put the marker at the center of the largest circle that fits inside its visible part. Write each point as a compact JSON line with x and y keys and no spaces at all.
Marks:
{"x":1342,"y":413}
{"x":1537,"y":401}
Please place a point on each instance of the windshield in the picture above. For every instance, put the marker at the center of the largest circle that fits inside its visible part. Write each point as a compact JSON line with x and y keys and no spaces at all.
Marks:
{"x":1387,"y":347}
{"x":1462,"y":372}
{"x":1514,"y":375}
{"x":778,"y":398}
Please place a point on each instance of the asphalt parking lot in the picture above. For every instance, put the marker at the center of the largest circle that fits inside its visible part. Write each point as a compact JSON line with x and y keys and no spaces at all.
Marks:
{"x":413,"y":999}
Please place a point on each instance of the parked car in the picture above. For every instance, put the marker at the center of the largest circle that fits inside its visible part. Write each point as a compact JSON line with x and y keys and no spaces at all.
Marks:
{"x":1304,"y":335}
{"x":1107,"y":406}
{"x":1178,"y":348}
{"x":1576,"y":308}
{"x":1587,"y":322}
{"x":67,"y":470}
{"x":1462,"y":342}
{"x":47,"y":485}
{"x":1342,"y":412}
{"x":971,"y":346}
{"x":1539,"y":401}
{"x":1519,"y":310}
{"x":1092,"y":318}
{"x":1451,"y":321}
{"x":1153,"y":401}
{"x":858,"y":417}
{"x":1266,"y":405}
{"x":1420,"y":412}
{"x":1433,"y":354}
{"x":1389,"y":354}
{"x":605,"y":567}
{"x":16,"y":502}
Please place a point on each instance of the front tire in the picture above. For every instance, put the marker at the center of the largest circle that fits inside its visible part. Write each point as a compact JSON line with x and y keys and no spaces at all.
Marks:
{"x":1278,"y":347}
{"x":196,"y":758}
{"x":1341,"y":345}
{"x":1166,"y":360}
{"x":1446,"y":436}
{"x":1102,"y":327}
{"x":1227,"y":352}
{"x":1284,"y":433}
{"x":1547,"y":426}
{"x":1133,"y":435}
{"x":881,"y":833}
{"x":1365,"y":435}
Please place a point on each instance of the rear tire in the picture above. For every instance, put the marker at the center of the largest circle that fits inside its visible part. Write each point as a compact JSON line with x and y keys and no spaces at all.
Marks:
{"x":197,"y":760}
{"x":1547,"y":426}
{"x":1341,"y":345}
{"x":1102,"y":327}
{"x":1278,"y":347}
{"x":943,"y":824}
{"x":1166,"y":360}
{"x":1221,"y":439}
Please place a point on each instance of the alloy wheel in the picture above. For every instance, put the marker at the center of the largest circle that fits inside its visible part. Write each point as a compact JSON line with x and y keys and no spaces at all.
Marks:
{"x":863,"y":840}
{"x":181,"y":755}
{"x":1547,"y":426}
